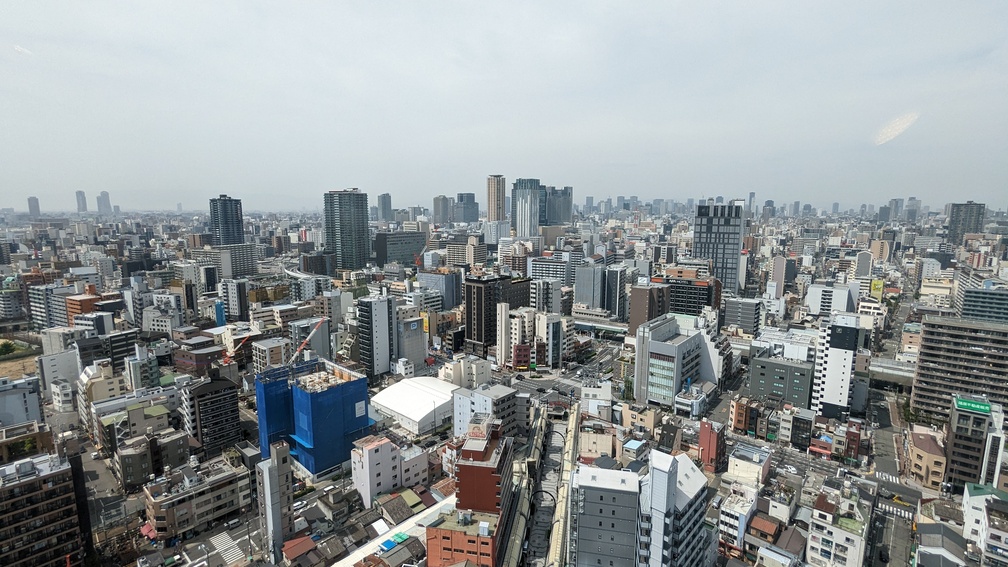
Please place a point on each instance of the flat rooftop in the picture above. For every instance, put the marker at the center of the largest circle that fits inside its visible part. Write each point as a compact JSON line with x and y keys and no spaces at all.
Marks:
{"x":453,"y":522}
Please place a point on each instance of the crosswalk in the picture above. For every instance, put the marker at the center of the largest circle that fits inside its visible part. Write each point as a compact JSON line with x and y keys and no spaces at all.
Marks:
{"x":227,"y":548}
{"x":887,"y":477}
{"x":894,"y":511}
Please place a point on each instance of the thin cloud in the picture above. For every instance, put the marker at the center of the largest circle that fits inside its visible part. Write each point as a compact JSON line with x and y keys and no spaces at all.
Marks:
{"x":22,"y":50}
{"x":895,"y":128}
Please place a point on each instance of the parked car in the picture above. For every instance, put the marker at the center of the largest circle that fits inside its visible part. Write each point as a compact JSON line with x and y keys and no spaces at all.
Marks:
{"x":541,"y":390}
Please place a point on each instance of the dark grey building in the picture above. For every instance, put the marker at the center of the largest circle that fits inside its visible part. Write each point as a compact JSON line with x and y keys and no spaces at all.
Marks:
{"x":209,"y":412}
{"x":226,"y":222}
{"x":559,"y":205}
{"x":81,"y":202}
{"x":589,"y":285}
{"x":448,"y":283}
{"x":402,"y":247}
{"x":781,"y":379}
{"x":964,"y":218}
{"x":346,"y":228}
{"x":988,"y":302}
{"x":605,"y":519}
{"x":466,"y":208}
{"x":385,"y":208}
{"x":33,"y":207}
{"x":974,"y":444}
{"x":717,"y":236}
{"x":745,"y":314}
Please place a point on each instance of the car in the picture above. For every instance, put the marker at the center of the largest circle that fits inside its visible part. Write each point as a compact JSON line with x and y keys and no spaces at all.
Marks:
{"x":232,"y":524}
{"x":790,"y":469}
{"x":299,"y":504}
{"x":95,"y":455}
{"x":519,"y":377}
{"x":884,"y":555}
{"x":541,"y":390}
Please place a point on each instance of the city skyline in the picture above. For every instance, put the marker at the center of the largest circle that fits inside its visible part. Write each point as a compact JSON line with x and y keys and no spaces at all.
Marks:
{"x":672,"y":102}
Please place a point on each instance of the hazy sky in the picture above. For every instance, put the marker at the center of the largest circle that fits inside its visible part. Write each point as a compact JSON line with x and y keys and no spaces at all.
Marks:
{"x":275,"y":103}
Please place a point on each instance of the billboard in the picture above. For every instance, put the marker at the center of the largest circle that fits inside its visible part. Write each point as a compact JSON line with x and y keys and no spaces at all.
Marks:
{"x":877,"y":287}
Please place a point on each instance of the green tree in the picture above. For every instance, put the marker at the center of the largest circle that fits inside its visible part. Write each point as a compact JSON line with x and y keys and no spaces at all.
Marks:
{"x":6,"y":348}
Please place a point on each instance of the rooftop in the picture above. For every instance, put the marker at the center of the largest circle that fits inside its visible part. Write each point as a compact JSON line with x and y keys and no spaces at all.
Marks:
{"x":607,"y":479}
{"x":466,"y":522}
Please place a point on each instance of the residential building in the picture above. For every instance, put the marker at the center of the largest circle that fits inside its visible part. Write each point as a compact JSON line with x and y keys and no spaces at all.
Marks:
{"x":148,"y":455}
{"x":744,"y":314}
{"x":270,"y":352}
{"x":380,"y":465}
{"x":677,"y":499}
{"x":840,"y":341}
{"x":605,"y":512}
{"x":226,"y":222}
{"x":927,"y":460}
{"x":376,"y":334}
{"x":964,"y":218}
{"x":191,"y":498}
{"x":480,"y":527}
{"x":320,"y":343}
{"x":496,"y":193}
{"x":44,"y":512}
{"x":209,"y":409}
{"x":958,"y":356}
{"x":234,"y":295}
{"x":839,"y":529}
{"x":275,"y":497}
{"x":230,"y":261}
{"x":712,"y":445}
{"x":717,"y":236}
{"x":495,"y":400}
{"x":81,"y":202}
{"x":346,"y":228}
{"x":647,"y":302}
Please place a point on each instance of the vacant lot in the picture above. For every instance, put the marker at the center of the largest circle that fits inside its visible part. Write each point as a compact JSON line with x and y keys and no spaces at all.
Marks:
{"x":15,"y":368}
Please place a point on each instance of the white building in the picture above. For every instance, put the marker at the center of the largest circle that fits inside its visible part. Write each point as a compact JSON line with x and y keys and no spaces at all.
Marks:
{"x":733,"y":519}
{"x":420,"y":405}
{"x":676,"y":499}
{"x":270,"y":352}
{"x":666,"y":360}
{"x":62,"y":395}
{"x":822,"y":299}
{"x":380,"y":465}
{"x":20,"y":400}
{"x":838,"y":532}
{"x":840,"y":339}
{"x":466,"y":371}
{"x":275,"y":489}
{"x":61,"y":365}
{"x":500,"y":402}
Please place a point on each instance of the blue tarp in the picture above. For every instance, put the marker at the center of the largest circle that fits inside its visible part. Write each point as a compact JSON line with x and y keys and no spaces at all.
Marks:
{"x":387,"y":545}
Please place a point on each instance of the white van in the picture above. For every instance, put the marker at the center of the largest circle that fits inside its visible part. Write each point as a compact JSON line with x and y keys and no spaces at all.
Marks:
{"x":232,"y":524}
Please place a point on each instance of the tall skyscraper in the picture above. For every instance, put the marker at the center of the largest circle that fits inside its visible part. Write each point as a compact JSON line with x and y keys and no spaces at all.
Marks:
{"x":896,"y":208}
{"x":441,"y":209}
{"x":385,"y":208}
{"x":964,"y":218}
{"x":466,"y":208}
{"x":81,"y":202}
{"x":104,"y":204}
{"x":559,"y":205}
{"x":526,"y":198}
{"x":346,"y":228}
{"x":589,"y":204}
{"x":33,"y":207}
{"x":226,"y":222}
{"x":496,"y":195}
{"x":717,"y":236}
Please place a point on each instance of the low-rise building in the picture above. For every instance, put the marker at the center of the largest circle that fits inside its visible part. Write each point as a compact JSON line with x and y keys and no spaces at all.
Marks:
{"x":838,"y":530}
{"x":139,"y":458}
{"x":193,"y":498}
{"x":380,"y":465}
{"x":927,"y":460}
